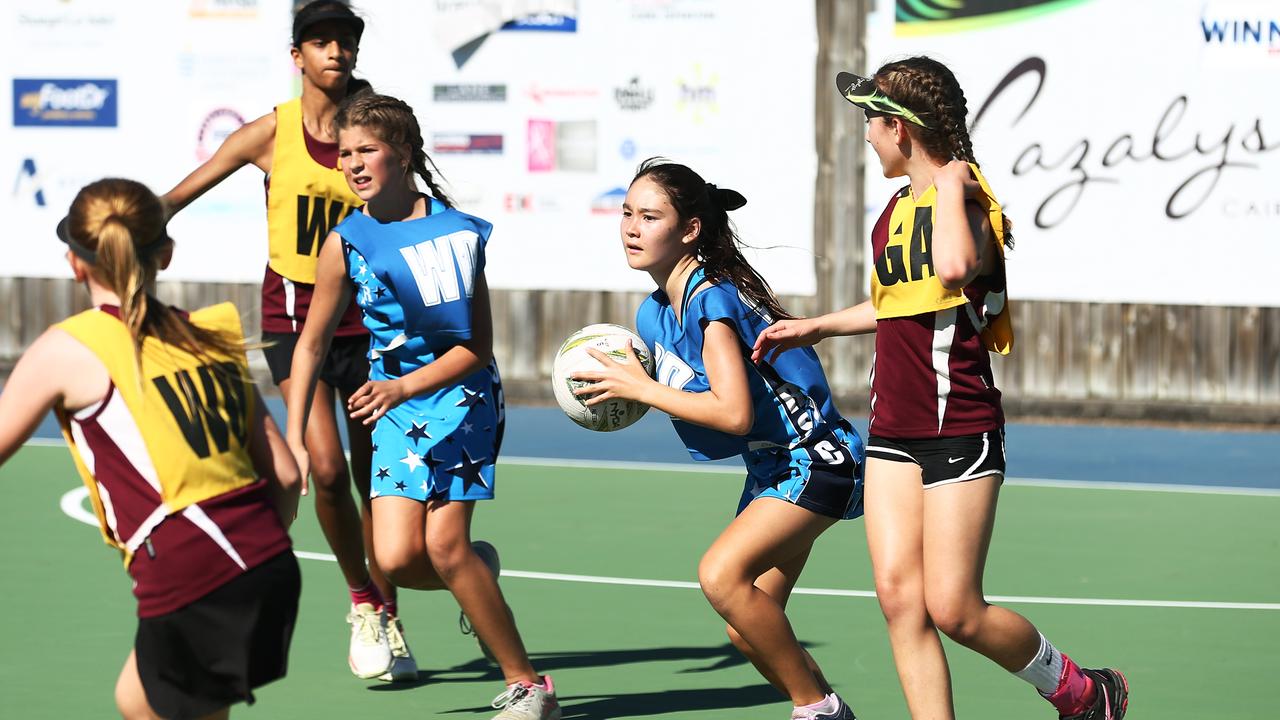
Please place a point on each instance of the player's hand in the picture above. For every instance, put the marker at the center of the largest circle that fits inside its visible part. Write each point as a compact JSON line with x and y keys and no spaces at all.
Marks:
{"x":303,"y":459}
{"x":785,"y":335}
{"x":375,"y":398}
{"x":957,"y":173}
{"x":626,"y":380}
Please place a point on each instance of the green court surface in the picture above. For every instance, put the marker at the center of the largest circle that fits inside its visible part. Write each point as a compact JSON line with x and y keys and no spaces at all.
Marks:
{"x":648,"y":650}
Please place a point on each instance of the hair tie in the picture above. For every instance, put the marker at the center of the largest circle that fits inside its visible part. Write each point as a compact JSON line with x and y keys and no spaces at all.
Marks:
{"x":724,"y":198}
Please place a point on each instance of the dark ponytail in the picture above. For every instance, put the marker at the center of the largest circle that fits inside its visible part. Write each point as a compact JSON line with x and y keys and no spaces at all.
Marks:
{"x":717,"y":246}
{"x":929,"y":89}
{"x":392,"y":120}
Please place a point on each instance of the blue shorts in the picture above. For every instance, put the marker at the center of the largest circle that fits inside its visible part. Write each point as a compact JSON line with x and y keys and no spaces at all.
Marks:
{"x":424,"y":458}
{"x":824,"y":475}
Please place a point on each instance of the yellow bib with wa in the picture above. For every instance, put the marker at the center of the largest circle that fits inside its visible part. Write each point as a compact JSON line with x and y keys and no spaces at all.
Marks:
{"x":903,"y":282}
{"x":194,"y":415}
{"x":304,"y":199}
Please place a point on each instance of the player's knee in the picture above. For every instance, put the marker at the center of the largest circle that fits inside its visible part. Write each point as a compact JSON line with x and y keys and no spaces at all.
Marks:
{"x":719,"y":580}
{"x":955,"y":615}
{"x":329,"y":475}
{"x":900,"y":596}
{"x":448,"y":558}
{"x":396,"y":562}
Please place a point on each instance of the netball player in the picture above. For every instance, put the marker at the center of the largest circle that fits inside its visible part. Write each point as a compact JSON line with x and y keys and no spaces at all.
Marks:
{"x":187,"y":474}
{"x":935,"y":455}
{"x":803,"y":459}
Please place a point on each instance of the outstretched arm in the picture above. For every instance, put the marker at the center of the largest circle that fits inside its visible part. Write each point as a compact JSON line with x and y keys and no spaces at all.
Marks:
{"x":726,"y":406}
{"x":57,"y":370}
{"x":805,"y":332}
{"x":376,"y":397}
{"x":253,"y":144}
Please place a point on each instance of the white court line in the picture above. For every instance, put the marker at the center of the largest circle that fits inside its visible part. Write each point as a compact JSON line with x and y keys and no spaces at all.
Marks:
{"x":72,"y":503}
{"x":690,"y":467}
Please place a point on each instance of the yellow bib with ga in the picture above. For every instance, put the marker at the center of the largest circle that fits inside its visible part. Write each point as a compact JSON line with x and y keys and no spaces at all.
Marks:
{"x":194,"y":415}
{"x":903,"y":282}
{"x":304,"y":199}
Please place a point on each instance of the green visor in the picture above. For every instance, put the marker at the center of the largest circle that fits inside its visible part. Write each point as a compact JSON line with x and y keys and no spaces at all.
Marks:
{"x":862,"y":91}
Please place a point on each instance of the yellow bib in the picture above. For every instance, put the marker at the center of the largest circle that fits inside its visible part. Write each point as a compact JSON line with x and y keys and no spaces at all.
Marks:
{"x":194,"y":415}
{"x":903,"y":282}
{"x":304,"y":199}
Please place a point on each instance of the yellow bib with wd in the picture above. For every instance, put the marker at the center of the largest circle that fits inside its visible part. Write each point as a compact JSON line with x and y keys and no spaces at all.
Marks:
{"x":304,"y":199}
{"x":194,"y":415}
{"x":903,"y":282}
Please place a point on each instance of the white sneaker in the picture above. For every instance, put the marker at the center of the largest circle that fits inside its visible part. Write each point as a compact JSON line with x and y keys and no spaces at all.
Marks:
{"x":370,"y":655}
{"x":526,"y":701}
{"x":833,"y":708}
{"x":403,"y":667}
{"x":489,"y":556}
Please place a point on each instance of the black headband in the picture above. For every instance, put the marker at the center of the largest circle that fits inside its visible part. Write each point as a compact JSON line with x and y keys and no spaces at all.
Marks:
{"x":83,"y":252}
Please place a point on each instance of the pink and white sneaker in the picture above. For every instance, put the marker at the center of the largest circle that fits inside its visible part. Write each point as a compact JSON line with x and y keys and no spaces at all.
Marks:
{"x":526,"y":701}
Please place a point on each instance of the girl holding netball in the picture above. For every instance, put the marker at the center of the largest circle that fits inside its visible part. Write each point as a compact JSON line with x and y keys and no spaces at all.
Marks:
{"x":188,"y":475}
{"x":935,"y":455}
{"x":306,"y":194}
{"x":803,"y":459}
{"x":414,"y":266}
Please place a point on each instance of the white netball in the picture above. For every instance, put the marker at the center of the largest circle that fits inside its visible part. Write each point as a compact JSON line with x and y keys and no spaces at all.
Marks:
{"x":572,"y":357}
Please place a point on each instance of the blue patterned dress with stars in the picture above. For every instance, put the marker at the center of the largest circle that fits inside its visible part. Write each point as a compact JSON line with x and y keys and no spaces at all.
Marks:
{"x":414,"y":282}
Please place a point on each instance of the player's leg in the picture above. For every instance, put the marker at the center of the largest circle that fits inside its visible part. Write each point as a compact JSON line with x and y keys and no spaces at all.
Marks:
{"x":766,"y":534}
{"x":959,"y":519}
{"x":894,"y":499}
{"x":131,"y":699}
{"x":778,"y":583}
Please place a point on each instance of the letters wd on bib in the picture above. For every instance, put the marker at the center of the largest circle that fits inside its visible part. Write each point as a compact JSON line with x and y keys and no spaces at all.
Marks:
{"x":526,"y":132}
{"x":1135,"y":146}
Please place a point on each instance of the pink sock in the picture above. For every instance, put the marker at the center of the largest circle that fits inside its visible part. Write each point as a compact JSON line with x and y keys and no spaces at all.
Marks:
{"x":1075,"y":690}
{"x":391,"y":608}
{"x":367,"y":594}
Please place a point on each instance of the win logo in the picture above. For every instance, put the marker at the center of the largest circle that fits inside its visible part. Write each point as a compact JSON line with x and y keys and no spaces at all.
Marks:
{"x":1239,"y":31}
{"x":209,"y":404}
{"x":65,"y":103}
{"x":28,"y":182}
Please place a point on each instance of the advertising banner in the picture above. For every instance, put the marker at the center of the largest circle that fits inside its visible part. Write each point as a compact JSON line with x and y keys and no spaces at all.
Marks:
{"x":536,"y":112}
{"x":1133,"y":144}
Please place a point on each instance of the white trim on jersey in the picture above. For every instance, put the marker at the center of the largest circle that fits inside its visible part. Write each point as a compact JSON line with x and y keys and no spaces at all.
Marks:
{"x":290,"y":301}
{"x":200,"y":519}
{"x":143,"y":532}
{"x":944,"y":333}
{"x":118,"y":424}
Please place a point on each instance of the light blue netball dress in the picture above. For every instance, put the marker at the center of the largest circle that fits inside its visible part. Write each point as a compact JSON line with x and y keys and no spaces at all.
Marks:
{"x":799,"y":448}
{"x":414,"y":281}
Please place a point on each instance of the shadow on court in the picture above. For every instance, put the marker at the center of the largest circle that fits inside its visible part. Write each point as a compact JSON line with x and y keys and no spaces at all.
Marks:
{"x":610,"y":707}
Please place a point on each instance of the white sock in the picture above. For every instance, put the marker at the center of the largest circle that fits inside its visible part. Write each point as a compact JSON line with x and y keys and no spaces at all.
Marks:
{"x":1045,"y":669}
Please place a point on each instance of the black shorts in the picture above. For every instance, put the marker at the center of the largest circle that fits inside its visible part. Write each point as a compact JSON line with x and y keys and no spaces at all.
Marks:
{"x":346,"y":367}
{"x":212,"y":653}
{"x":945,"y":460}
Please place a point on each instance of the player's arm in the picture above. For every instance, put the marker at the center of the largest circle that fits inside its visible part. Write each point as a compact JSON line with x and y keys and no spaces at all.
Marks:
{"x":726,"y":406}
{"x":273,"y":460}
{"x":375,"y":398}
{"x":52,"y":372}
{"x":328,"y":303}
{"x":961,"y":229}
{"x":805,"y":332}
{"x":252,"y":144}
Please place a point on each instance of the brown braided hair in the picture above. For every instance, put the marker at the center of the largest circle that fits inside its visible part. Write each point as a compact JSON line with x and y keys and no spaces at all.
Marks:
{"x":122,"y":222}
{"x":717,"y":245}
{"x":930,"y":90}
{"x":392,"y":120}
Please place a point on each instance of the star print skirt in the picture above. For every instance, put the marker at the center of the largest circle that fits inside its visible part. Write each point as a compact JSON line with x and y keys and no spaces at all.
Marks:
{"x":441,"y":446}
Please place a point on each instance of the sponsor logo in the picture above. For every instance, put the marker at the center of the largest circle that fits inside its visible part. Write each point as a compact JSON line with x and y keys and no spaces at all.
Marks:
{"x":464,"y":143}
{"x":215,"y":128}
{"x":608,"y":202}
{"x":529,"y":203}
{"x":627,"y":149}
{"x":927,"y":17}
{"x":224,"y":8}
{"x":697,"y":95}
{"x":953,"y":461}
{"x":673,"y":10}
{"x":1228,"y":30}
{"x":469,"y":93}
{"x":72,"y":103}
{"x":27,"y":183}
{"x":562,"y":145}
{"x":633,"y":96}
{"x":543,"y":94}
{"x":543,"y":22}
